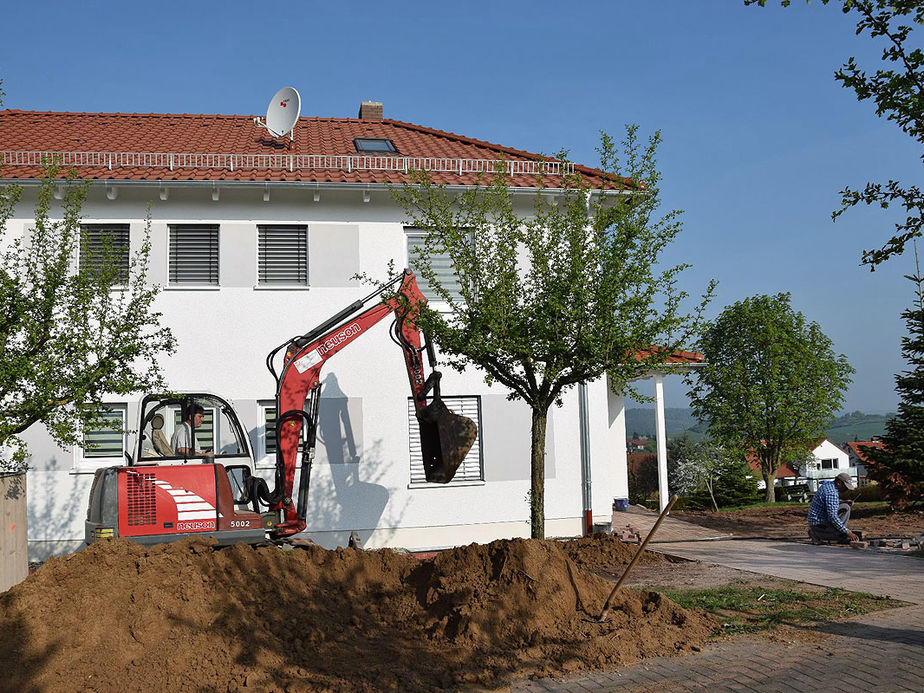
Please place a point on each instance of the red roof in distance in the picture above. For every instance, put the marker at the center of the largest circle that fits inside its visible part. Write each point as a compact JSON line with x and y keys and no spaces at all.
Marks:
{"x":675,"y":357}
{"x":857,"y":445}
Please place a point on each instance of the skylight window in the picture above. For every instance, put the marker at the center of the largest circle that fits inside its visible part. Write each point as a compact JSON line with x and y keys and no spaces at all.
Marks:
{"x":374,"y":145}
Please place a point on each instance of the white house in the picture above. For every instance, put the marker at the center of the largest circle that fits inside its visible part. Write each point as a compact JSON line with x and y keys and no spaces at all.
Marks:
{"x":223,"y":192}
{"x":857,"y":457}
{"x":827,"y":461}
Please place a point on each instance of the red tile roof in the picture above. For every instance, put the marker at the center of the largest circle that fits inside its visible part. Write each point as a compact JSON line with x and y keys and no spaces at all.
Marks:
{"x":784,"y":470}
{"x":111,"y":145}
{"x":857,"y":445}
{"x":676,"y":357}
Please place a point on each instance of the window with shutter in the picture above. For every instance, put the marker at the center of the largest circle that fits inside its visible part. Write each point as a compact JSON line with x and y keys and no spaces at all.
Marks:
{"x":194,"y":254}
{"x":269,"y":420}
{"x":441,"y":265}
{"x":472,"y":468}
{"x":283,"y":255}
{"x":104,"y":250}
{"x":107,"y":440}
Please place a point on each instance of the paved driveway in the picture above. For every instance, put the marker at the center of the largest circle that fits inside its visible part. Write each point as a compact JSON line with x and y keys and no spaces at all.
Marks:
{"x":876,"y":652}
{"x":883,"y":651}
{"x":869,"y":570}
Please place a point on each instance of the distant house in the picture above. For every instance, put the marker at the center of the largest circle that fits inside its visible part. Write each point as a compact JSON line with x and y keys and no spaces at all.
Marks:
{"x":858,"y":459}
{"x":826,"y":462}
{"x":634,"y":445}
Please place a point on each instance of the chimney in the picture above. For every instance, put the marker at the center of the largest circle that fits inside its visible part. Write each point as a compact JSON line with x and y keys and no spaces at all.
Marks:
{"x":370,"y":110}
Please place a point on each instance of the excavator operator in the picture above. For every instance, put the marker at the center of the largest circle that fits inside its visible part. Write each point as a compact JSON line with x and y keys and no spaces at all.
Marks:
{"x":193,"y":417}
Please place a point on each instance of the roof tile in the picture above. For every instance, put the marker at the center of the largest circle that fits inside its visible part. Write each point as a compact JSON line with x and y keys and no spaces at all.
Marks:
{"x":201,"y":134}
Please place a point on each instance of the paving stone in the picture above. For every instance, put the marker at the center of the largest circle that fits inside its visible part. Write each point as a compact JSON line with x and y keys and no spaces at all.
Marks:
{"x":874,"y":652}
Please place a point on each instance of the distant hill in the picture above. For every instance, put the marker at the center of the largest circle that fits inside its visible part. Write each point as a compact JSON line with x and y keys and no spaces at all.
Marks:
{"x":856,"y":425}
{"x":641,"y":422}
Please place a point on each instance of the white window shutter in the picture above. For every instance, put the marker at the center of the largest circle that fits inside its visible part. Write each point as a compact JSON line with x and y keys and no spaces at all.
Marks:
{"x":101,"y":244}
{"x":108,"y":440}
{"x":194,"y":254}
{"x":472,"y":467}
{"x":283,"y":255}
{"x":440,"y":263}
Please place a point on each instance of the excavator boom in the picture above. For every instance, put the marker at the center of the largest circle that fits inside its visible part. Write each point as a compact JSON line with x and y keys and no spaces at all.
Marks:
{"x":445,"y":436}
{"x":163,"y":495}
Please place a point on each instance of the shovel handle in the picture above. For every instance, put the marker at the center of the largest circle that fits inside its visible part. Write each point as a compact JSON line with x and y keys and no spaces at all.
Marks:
{"x":641,"y":549}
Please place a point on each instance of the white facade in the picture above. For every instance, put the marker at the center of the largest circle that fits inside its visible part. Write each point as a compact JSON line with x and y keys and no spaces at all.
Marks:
{"x":360,"y":480}
{"x":828,"y":460}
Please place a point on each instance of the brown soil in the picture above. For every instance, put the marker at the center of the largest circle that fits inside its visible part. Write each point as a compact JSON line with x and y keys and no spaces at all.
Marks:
{"x":184,"y":616}
{"x":875,"y":520}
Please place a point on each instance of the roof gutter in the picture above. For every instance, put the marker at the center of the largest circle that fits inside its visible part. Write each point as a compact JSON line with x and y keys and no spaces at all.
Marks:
{"x":296,"y":185}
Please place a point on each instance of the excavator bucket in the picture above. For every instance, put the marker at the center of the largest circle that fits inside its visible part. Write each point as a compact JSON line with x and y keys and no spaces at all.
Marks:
{"x":445,"y":439}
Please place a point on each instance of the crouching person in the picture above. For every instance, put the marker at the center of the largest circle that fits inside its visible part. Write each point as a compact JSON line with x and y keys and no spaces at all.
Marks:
{"x":828,"y":514}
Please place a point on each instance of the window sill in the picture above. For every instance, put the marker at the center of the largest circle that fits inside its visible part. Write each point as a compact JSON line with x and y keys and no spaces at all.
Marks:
{"x":85,"y":467}
{"x":441,"y":307}
{"x":191,"y":287}
{"x":281,"y":287}
{"x":451,"y":484}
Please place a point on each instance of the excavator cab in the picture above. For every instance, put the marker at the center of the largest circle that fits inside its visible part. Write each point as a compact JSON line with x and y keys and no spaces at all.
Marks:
{"x":220,"y":436}
{"x":165,"y":495}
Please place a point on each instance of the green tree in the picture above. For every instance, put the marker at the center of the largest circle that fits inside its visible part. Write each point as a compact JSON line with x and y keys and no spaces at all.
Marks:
{"x":68,"y":338}
{"x":899,"y":465}
{"x":563,"y":293}
{"x":708,"y":475}
{"x":771,"y":382}
{"x":898,"y":93}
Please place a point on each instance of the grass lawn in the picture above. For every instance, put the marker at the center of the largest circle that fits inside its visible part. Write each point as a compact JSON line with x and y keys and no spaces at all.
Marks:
{"x":743,"y":608}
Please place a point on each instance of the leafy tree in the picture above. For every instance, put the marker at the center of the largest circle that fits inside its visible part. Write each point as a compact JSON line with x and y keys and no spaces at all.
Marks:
{"x":643,"y":477}
{"x":682,"y":478}
{"x":708,"y":475}
{"x":771,"y":381}
{"x":67,"y":337}
{"x":562,"y":294}
{"x":899,"y":465}
{"x":898,"y":93}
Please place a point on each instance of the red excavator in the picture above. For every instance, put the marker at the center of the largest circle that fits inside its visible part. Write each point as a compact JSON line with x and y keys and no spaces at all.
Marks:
{"x":162,"y":495}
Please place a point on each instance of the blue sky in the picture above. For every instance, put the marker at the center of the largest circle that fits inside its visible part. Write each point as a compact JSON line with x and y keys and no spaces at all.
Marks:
{"x":758,"y":137}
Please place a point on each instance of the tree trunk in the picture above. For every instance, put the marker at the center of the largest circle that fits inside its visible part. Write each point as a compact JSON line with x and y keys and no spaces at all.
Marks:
{"x":537,"y":476}
{"x":715,"y":505}
{"x":769,"y":479}
{"x":768,"y":466}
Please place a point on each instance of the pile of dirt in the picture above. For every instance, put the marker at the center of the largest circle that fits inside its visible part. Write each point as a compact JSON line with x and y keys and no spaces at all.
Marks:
{"x":603,"y":554}
{"x":186,"y":616}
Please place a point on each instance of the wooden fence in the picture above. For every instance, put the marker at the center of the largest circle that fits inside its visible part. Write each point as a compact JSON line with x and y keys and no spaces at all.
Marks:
{"x":14,"y":561}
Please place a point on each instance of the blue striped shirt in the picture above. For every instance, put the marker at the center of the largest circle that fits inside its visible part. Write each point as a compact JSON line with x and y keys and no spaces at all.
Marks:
{"x":823,"y":510}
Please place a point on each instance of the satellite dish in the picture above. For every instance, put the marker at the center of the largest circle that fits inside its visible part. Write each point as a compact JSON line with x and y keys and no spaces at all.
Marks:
{"x":282,"y":113}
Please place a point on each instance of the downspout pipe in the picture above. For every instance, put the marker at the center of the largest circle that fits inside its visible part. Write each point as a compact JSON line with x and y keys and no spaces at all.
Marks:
{"x":585,"y":460}
{"x":586,"y":494}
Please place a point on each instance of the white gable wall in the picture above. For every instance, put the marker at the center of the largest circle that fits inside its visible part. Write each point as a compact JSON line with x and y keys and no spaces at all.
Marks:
{"x":828,"y":460}
{"x":360,"y":480}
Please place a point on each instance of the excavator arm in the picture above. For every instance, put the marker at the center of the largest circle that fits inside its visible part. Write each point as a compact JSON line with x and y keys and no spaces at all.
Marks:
{"x":445,"y":437}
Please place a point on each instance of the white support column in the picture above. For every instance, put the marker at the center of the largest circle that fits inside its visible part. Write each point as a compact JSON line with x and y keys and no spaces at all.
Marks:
{"x":661,"y":435}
